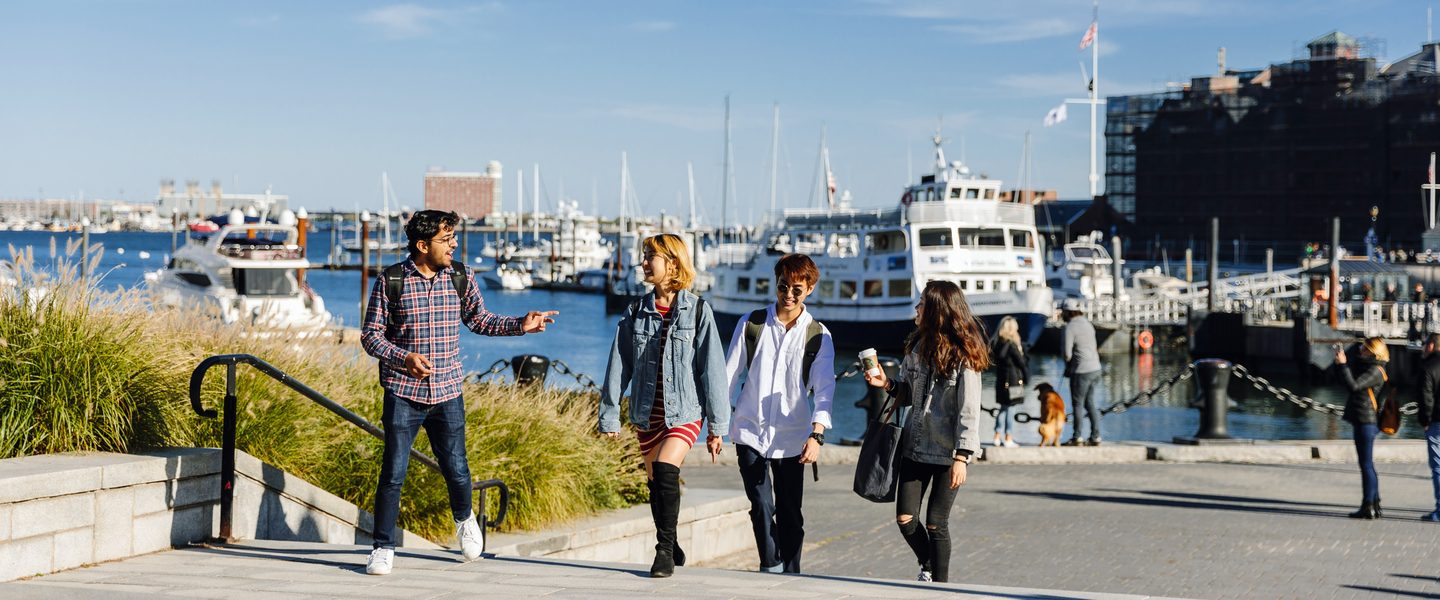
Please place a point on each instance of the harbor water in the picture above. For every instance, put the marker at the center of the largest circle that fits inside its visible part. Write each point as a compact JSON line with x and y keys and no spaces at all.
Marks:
{"x":582,"y":335}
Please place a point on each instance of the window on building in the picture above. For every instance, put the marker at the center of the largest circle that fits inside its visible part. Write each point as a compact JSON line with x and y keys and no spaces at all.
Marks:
{"x":937,"y":238}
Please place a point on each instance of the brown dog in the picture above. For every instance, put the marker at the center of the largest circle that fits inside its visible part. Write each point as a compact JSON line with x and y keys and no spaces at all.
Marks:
{"x":1052,"y":415}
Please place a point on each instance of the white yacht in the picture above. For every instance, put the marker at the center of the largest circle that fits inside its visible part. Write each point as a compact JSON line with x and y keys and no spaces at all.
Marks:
{"x":245,"y":272}
{"x":576,"y":247}
{"x":1083,"y":269}
{"x":874,"y":263}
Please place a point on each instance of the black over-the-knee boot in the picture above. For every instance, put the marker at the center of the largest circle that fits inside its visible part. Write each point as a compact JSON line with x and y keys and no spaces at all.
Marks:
{"x":665,"y":509}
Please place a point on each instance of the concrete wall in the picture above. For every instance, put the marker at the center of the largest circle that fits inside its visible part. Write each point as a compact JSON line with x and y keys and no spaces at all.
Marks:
{"x":62,"y":511}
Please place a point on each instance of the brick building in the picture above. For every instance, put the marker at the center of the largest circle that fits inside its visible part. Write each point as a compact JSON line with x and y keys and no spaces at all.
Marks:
{"x":472,"y":194}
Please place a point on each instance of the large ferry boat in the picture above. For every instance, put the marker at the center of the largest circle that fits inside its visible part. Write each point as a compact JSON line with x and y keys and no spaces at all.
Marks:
{"x":874,"y":263}
{"x":245,"y":272}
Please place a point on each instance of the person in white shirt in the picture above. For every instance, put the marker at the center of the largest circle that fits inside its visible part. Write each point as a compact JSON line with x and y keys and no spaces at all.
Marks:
{"x":784,"y":355}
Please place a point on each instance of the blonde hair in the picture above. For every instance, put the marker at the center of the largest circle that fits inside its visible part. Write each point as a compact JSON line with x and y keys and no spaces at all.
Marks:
{"x":673,"y":248}
{"x":1377,"y":348}
{"x":1010,"y":330}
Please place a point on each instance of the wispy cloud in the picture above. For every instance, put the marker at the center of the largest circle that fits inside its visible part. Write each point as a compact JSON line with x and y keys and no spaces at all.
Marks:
{"x":653,"y":26}
{"x":401,"y":21}
{"x":998,"y":32}
{"x":1012,"y":22}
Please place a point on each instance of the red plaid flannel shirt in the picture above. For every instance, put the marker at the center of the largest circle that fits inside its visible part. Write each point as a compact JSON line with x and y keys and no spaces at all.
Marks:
{"x":428,"y":324}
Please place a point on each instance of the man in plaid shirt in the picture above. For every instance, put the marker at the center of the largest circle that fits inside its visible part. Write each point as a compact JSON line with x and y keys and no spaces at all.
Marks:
{"x":419,"y":352}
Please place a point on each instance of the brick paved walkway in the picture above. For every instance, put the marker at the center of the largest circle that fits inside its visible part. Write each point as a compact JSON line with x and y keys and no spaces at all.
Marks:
{"x":1191,"y":530}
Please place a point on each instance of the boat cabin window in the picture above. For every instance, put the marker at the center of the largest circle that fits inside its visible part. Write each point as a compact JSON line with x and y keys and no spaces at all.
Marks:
{"x":885,"y":242}
{"x":1022,"y":239}
{"x":982,"y":238}
{"x":762,"y":286}
{"x":899,"y":288}
{"x":997,"y":285}
{"x":964,"y":284}
{"x":742,"y":285}
{"x":844,"y":245}
{"x":955,"y":193}
{"x":826,"y":288}
{"x":972,"y":193}
{"x":937,"y":238}
{"x":929,"y":194}
{"x":990,"y":194}
{"x":874,"y":288}
{"x":847,"y":290}
{"x":194,"y":279}
{"x":264,"y":282}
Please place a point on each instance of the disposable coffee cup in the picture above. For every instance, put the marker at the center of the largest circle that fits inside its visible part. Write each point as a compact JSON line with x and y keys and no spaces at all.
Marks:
{"x":870,"y":362}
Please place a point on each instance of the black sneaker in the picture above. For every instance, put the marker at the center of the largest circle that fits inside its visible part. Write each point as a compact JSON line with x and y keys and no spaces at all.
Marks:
{"x":1094,"y":442}
{"x":1075,"y":442}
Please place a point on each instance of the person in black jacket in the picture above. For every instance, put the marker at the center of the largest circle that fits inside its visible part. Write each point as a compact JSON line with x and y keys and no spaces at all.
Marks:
{"x":1360,"y":411}
{"x":1011,"y":373}
{"x":1429,"y":415}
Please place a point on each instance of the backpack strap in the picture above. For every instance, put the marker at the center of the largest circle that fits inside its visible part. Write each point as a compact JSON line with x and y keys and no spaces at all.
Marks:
{"x":394,"y":288}
{"x":1384,"y":380}
{"x":754,"y":324}
{"x":814,"y":335}
{"x":460,"y":276}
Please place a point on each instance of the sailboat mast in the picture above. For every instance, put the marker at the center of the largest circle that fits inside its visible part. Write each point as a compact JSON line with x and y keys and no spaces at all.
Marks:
{"x":535,"y":207}
{"x":690,"y":177}
{"x":725,"y":176}
{"x":774,"y":154}
{"x":624,"y":190}
{"x":1094,"y":99}
{"x":829,"y":182}
{"x":519,"y":198}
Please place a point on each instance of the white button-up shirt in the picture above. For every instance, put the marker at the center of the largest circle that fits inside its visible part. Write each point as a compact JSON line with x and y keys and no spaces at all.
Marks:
{"x":773,"y":412}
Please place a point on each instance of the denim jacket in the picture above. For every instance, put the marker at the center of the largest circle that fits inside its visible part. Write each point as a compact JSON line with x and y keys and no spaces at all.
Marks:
{"x":944,"y":413}
{"x":693,"y":364}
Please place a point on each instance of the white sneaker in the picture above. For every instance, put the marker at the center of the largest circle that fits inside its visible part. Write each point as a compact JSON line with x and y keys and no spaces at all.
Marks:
{"x":924,"y":576}
{"x":1011,"y":444}
{"x":381,"y":561}
{"x":471,"y":536}
{"x":997,"y":443}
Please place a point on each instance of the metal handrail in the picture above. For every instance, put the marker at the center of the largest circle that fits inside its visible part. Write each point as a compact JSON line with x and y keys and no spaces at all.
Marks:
{"x":227,"y":464}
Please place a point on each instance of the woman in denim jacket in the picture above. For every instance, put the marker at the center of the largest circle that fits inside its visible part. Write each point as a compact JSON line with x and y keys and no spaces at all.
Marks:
{"x":940,"y":381}
{"x":667,"y":351}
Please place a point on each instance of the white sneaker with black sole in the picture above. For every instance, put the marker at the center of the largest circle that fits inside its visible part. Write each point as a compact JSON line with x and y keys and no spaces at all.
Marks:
{"x":924,"y":576}
{"x":471,"y":536}
{"x":382,"y":560}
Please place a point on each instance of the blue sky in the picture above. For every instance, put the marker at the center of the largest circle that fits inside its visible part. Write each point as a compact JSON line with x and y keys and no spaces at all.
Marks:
{"x":315,"y":99}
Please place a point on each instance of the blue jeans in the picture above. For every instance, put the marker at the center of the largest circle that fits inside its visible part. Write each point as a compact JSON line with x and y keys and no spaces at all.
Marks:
{"x":1002,"y":420}
{"x":1432,"y":439}
{"x":445,"y":424}
{"x":1082,"y":396}
{"x":775,"y":503}
{"x":1365,"y":450}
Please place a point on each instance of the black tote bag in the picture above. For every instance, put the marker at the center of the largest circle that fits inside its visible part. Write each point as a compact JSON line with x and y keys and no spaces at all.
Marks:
{"x":876,"y":472}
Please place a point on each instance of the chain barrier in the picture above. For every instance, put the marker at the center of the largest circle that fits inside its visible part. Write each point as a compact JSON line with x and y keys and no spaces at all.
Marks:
{"x":1264,"y":385}
{"x":584,"y":380}
{"x":1146,"y":396}
{"x":499,"y":367}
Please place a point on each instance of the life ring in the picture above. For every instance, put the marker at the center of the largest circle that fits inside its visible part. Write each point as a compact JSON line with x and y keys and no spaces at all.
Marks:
{"x":1145,"y":340}
{"x":906,"y":198}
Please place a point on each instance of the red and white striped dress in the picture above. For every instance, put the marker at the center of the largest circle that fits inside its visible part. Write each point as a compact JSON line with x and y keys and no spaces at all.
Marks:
{"x":651,"y":437}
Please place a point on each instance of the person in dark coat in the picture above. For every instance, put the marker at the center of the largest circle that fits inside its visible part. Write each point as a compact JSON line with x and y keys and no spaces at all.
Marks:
{"x":1361,"y":412}
{"x":1011,"y":373}
{"x":1429,"y":415}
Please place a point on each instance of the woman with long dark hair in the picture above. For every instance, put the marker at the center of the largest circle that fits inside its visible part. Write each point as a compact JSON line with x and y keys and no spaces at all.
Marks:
{"x":1011,"y":372}
{"x":940,"y":381}
{"x":1361,"y":410}
{"x":667,"y":353}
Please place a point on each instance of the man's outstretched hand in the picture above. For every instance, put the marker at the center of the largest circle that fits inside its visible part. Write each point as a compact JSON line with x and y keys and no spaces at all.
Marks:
{"x":536,"y":320}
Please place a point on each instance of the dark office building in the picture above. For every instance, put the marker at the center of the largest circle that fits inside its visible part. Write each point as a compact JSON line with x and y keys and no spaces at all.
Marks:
{"x":1276,"y":152}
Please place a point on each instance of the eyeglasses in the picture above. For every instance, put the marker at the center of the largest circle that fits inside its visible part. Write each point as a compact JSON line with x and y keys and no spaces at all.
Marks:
{"x":796,"y":290}
{"x":447,"y":240}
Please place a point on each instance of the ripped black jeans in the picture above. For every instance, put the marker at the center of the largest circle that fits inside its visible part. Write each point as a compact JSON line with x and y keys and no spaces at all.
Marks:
{"x":929,"y":540}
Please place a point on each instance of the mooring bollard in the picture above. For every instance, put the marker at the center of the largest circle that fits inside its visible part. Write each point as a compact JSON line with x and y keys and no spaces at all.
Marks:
{"x":1213,"y":378}
{"x":530,"y":368}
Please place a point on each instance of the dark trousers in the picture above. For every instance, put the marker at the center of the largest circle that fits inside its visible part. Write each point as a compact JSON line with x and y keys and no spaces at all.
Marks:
{"x":931,"y":540}
{"x":445,"y":424}
{"x":775,"y":487}
{"x":1082,"y":401}
{"x":1365,"y":451}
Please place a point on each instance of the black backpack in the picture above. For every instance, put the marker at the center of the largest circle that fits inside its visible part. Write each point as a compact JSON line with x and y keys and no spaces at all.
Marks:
{"x":755,"y":323}
{"x":395,"y":287}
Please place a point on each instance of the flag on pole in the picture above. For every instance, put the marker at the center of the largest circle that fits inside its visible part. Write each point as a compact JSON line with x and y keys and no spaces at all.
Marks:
{"x":1056,"y":115}
{"x":1089,"y":36}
